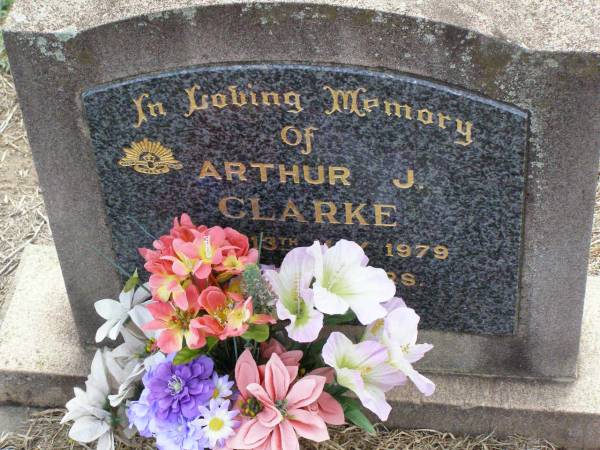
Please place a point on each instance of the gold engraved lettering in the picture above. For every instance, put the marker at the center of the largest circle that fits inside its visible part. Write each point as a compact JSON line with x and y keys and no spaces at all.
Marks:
{"x":354,"y":213}
{"x":294,"y":173}
{"x":262,"y":167}
{"x":256,"y":215}
{"x":223,"y":207}
{"x":298,"y":137}
{"x":381,"y":212}
{"x":293,"y":99}
{"x":239,"y":102}
{"x":370,"y":103}
{"x":398,"y":109}
{"x":291,"y":210}
{"x":349,"y":101}
{"x":408,"y":279}
{"x":442,"y":120}
{"x":208,"y":170}
{"x":339,"y":173}
{"x":219,"y":101}
{"x":466,"y":132}
{"x":149,"y":157}
{"x":193,"y":106}
{"x":235,"y":168}
{"x":253,"y":98}
{"x":329,"y":214}
{"x":270,"y":98}
{"x":155,"y":109}
{"x":285,"y":135}
{"x":320,"y":175}
{"x":410,"y":180}
{"x":425,"y":116}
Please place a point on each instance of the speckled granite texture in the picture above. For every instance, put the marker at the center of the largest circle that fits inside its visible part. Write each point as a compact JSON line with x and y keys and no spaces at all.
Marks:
{"x":467,"y":198}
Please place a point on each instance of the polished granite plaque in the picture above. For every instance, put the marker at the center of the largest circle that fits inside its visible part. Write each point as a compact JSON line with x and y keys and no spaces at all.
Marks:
{"x":428,"y":178}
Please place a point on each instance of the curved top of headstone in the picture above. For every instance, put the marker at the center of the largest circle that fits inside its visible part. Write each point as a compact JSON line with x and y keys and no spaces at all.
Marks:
{"x":547,"y":25}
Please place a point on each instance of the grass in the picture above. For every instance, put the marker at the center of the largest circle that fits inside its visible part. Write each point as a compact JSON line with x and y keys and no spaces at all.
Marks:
{"x":44,"y":431}
{"x":4,"y":7}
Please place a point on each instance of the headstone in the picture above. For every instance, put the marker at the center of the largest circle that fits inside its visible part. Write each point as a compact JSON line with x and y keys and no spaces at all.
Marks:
{"x":460,"y":152}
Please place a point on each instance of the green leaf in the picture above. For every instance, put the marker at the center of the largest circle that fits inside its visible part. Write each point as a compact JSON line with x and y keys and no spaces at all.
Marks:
{"x":185,"y":355}
{"x":132,"y":282}
{"x":338,"y":319}
{"x":258,"y":333}
{"x":211,"y":341}
{"x":354,"y":414}
{"x":336,"y":390}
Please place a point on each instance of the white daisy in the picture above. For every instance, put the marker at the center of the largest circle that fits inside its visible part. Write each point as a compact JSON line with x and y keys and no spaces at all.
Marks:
{"x":217,"y":422}
{"x":222,"y":387}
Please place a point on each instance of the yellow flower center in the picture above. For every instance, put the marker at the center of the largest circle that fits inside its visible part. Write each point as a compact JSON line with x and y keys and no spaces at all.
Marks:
{"x":215,"y":424}
{"x":215,"y":393}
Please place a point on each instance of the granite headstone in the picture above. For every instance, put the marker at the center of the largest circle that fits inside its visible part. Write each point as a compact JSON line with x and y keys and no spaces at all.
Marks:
{"x":428,"y":178}
{"x":460,"y":153}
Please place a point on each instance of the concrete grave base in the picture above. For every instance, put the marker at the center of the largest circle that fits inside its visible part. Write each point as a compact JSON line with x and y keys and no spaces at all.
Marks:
{"x":41,"y":357}
{"x":42,"y":360}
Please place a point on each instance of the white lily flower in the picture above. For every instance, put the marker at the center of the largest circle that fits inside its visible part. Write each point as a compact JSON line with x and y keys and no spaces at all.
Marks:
{"x":294,"y":298}
{"x":343,"y":280}
{"x":398,"y":333}
{"x":133,"y":357}
{"x":88,"y":410}
{"x":117,"y":312}
{"x":362,"y":368}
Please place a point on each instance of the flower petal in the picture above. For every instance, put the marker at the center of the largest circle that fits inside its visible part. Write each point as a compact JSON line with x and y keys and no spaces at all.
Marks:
{"x":277,"y":378}
{"x":109,"y":309}
{"x":330,"y":409}
{"x":88,"y":429}
{"x":305,"y":391}
{"x":308,"y":425}
{"x":246,"y":372}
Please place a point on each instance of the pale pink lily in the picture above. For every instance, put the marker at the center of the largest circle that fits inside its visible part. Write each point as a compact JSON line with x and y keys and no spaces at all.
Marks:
{"x":281,"y":413}
{"x":363,"y":369}
{"x":343,"y":280}
{"x":398,"y":333}
{"x":291,"y":285}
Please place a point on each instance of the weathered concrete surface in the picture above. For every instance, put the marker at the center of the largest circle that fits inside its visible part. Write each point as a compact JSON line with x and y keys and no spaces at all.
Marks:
{"x":541,"y":56}
{"x":13,"y":418}
{"x":552,"y":25}
{"x":40,"y":354}
{"x":564,"y":413}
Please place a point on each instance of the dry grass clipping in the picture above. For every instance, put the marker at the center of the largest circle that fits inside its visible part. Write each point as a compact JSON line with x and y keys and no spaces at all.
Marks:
{"x":22,"y":214}
{"x":44,"y":431}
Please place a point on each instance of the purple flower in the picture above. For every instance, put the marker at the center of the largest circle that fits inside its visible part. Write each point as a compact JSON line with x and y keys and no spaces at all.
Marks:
{"x":181,"y":436}
{"x":179,"y":390}
{"x":140,"y":413}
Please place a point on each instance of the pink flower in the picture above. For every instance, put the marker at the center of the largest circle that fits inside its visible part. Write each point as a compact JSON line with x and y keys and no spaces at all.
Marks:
{"x":225,"y":316}
{"x":326,"y":406}
{"x":239,"y":242}
{"x":199,"y":256}
{"x":276,"y":411}
{"x":174,"y":323}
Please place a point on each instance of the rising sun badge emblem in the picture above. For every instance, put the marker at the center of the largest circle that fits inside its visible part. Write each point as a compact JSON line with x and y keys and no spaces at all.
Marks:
{"x":149,"y":157}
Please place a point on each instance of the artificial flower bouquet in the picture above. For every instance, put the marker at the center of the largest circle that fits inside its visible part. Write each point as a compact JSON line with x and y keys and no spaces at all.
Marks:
{"x":218,"y":352}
